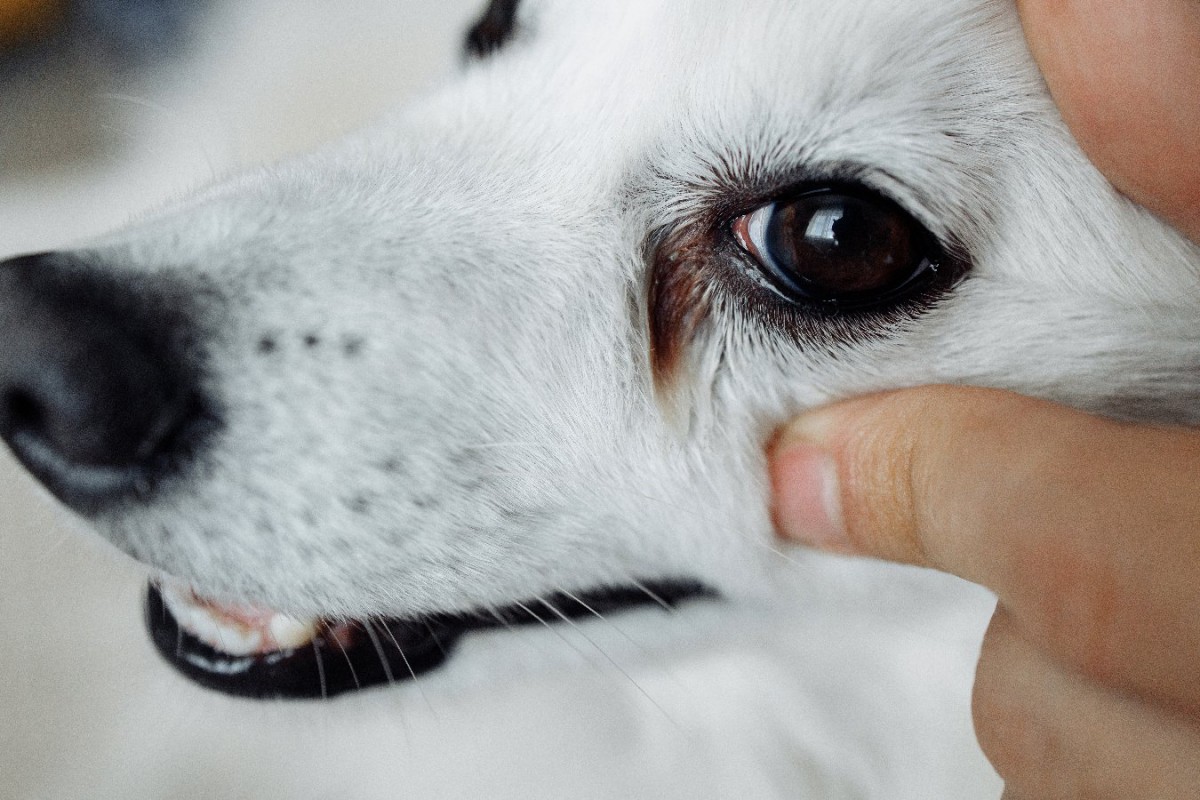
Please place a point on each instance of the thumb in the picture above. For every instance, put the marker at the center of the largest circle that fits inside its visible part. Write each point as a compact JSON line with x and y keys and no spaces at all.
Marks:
{"x":1084,"y":527}
{"x":862,"y":477}
{"x":945,"y":477}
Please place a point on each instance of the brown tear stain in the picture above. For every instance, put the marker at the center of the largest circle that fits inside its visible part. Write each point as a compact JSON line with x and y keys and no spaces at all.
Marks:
{"x":678,"y":304}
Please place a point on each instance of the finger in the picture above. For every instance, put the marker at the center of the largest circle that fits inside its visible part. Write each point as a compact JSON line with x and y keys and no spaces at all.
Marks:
{"x":1089,"y":530}
{"x":1051,"y":734}
{"x":1125,"y":74}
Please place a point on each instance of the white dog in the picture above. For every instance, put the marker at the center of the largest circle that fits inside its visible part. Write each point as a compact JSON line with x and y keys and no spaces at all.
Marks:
{"x":514,"y":354}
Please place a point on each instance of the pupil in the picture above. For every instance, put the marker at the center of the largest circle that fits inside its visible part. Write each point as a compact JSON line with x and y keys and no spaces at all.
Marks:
{"x":837,"y":247}
{"x":852,"y":231}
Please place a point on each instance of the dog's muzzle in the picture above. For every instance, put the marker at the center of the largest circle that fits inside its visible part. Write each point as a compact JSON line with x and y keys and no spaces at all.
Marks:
{"x":100,"y":400}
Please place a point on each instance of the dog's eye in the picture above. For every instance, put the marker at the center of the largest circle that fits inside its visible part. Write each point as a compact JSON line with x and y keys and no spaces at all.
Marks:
{"x":493,"y":30}
{"x":839,"y":248}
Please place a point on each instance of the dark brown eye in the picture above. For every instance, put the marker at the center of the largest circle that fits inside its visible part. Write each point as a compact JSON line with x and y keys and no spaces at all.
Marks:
{"x":493,"y":30}
{"x":839,"y":248}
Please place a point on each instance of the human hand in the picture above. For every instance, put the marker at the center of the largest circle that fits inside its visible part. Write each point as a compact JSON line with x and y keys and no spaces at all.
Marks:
{"x":1087,"y":529}
{"x":1126,"y":77}
{"x":1089,"y":532}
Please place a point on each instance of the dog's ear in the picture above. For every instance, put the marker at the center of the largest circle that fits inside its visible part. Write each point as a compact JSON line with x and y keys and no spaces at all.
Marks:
{"x":493,"y":30}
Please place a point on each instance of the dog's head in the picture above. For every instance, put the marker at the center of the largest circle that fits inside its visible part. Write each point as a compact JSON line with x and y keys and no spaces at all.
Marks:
{"x":529,"y":337}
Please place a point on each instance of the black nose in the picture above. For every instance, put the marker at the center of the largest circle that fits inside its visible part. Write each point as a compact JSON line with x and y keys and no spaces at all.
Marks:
{"x":90,"y":400}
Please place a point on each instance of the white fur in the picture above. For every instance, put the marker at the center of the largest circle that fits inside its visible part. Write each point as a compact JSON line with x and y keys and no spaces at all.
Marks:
{"x":484,"y":249}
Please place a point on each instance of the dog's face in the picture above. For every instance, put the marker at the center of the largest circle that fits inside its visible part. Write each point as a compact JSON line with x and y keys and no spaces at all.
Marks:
{"x":530,"y":336}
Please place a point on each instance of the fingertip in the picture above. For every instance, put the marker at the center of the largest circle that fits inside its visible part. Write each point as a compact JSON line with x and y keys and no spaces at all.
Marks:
{"x":1124,"y":75}
{"x":807,"y":504}
{"x":870,"y":476}
{"x":839,"y":476}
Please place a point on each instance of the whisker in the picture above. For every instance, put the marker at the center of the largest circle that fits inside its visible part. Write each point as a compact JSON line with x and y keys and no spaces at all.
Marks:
{"x":436,"y":640}
{"x":134,"y":100}
{"x":653,"y":595}
{"x":525,"y":632}
{"x":387,"y":668}
{"x":555,"y":631}
{"x":779,"y":553}
{"x":508,"y":625}
{"x":174,"y":118}
{"x":579,"y":630}
{"x":584,"y":605}
{"x":349,"y":663}
{"x":496,"y":615}
{"x":320,"y":669}
{"x":641,"y":648}
{"x":408,"y":666}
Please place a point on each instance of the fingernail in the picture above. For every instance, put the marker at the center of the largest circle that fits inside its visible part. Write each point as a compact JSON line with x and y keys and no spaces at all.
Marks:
{"x":807,"y":507}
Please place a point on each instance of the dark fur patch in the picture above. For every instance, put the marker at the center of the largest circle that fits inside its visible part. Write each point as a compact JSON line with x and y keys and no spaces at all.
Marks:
{"x":493,"y":30}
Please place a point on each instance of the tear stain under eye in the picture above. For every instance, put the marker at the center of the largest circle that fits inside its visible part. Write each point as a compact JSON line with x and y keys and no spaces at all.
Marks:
{"x":677,"y":306}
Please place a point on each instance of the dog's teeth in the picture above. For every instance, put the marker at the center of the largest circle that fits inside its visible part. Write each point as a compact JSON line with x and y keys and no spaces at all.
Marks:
{"x":236,"y":631}
{"x":287,"y":633}
{"x":226,"y":636}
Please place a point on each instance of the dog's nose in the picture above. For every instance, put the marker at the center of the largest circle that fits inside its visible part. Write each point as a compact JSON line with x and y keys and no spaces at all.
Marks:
{"x":87,"y":399}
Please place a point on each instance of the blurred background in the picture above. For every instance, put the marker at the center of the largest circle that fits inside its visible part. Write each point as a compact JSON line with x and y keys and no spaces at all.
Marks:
{"x":109,"y":106}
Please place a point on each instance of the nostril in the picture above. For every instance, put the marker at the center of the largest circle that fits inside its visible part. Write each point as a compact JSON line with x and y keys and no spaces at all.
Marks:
{"x":20,"y":411}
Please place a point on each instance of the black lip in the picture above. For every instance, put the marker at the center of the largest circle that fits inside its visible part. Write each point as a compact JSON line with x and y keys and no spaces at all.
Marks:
{"x":383,"y":651}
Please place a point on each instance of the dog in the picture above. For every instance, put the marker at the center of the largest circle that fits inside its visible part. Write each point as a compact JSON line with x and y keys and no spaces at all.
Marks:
{"x":513,"y":354}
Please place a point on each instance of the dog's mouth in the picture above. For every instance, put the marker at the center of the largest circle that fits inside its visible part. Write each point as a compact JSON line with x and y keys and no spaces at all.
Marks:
{"x":259,"y":653}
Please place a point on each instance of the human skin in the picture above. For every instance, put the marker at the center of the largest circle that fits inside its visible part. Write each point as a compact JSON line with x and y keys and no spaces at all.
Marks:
{"x":1126,"y":77}
{"x":1088,"y":530}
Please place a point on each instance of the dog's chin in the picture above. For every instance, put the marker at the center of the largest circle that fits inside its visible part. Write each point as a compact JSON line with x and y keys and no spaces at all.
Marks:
{"x":259,"y":653}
